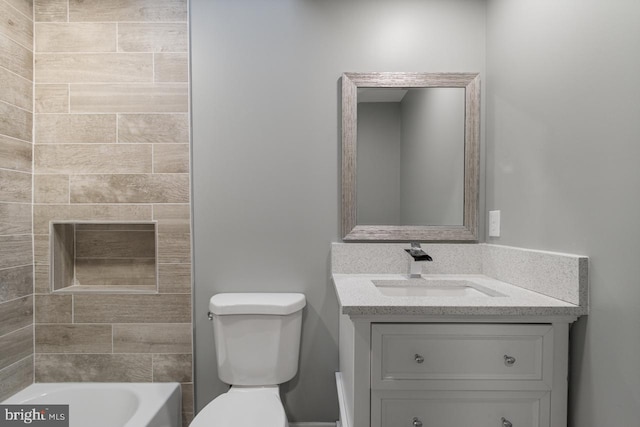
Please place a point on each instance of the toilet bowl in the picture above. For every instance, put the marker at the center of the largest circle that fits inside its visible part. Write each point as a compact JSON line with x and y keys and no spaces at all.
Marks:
{"x":257,"y":337}
{"x":244,"y":406}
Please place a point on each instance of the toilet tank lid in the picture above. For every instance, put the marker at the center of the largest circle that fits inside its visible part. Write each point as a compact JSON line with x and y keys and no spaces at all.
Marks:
{"x":256,"y":303}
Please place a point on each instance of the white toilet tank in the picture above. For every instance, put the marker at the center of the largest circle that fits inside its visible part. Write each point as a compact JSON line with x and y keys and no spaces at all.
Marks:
{"x":257,"y":336}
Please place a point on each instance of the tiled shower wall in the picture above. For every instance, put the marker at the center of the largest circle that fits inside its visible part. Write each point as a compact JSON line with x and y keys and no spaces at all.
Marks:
{"x":16,"y":256}
{"x":111,"y":143}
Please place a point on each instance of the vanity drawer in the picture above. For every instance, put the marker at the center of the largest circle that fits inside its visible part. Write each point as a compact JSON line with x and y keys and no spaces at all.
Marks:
{"x":460,"y":409}
{"x":461,"y":356}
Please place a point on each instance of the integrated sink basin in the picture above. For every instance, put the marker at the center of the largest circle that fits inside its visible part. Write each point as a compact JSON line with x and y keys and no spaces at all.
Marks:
{"x":432,"y":287}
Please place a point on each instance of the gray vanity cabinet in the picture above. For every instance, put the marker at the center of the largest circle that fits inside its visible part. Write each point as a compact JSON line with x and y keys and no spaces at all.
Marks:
{"x":463,"y":372}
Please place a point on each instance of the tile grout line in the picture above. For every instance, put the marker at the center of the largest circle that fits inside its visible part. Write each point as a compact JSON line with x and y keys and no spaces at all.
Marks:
{"x":19,"y":108}
{"x":24,"y":296}
{"x":17,"y":171}
{"x":13,"y":138}
{"x":110,"y":22}
{"x":17,"y":330}
{"x":18,"y":361}
{"x":20,"y":12}
{"x":16,"y":74}
{"x":8,"y":37}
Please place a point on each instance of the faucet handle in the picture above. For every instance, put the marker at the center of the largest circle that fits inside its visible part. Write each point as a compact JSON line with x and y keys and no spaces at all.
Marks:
{"x":418,"y":253}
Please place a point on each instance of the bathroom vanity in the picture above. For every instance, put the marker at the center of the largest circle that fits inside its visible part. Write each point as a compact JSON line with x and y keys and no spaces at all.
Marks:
{"x":481,"y":339}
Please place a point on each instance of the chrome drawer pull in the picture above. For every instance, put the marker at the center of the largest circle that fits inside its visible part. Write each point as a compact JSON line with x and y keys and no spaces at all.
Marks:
{"x":506,"y":422}
{"x":418,"y":359}
{"x":416,"y":422}
{"x":509,"y":360}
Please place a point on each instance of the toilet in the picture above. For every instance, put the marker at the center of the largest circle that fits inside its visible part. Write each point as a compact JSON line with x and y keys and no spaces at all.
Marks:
{"x":257,"y":337}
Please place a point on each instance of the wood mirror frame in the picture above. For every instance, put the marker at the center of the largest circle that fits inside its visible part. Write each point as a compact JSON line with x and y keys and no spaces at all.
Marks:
{"x":468,"y":231}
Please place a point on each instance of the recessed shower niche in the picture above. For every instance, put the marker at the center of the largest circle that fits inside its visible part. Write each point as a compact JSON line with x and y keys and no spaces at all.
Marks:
{"x":103,"y":257}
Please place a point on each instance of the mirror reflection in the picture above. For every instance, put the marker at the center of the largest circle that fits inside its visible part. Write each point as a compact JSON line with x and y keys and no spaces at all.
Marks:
{"x":410,"y":156}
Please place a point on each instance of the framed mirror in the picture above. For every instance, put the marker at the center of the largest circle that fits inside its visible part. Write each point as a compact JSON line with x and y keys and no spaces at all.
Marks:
{"x":410,"y":156}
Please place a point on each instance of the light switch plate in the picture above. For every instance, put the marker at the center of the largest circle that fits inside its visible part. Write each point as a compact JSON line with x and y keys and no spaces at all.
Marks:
{"x":494,"y":223}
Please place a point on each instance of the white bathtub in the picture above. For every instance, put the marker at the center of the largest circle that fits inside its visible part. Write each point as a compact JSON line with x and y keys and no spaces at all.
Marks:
{"x":109,"y":404}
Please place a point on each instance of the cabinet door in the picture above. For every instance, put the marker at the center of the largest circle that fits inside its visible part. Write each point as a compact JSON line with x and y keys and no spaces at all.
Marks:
{"x":459,"y":409}
{"x":462,"y":356}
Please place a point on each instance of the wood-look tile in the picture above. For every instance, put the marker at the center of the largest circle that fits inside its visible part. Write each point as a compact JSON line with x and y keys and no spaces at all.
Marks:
{"x":171,"y":67}
{"x":15,"y":251}
{"x":174,"y":248}
{"x":16,"y":314}
{"x":123,"y":188}
{"x":116,"y":226}
{"x":15,"y":25}
{"x":16,"y":346}
{"x":17,"y":58}
{"x":62,"y":261}
{"x":16,"y":282}
{"x":41,"y":279}
{"x":155,"y":128}
{"x":24,"y":6}
{"x":15,"y":218}
{"x":174,"y":278}
{"x":52,"y":98}
{"x":92,"y":158}
{"x":171,"y":158}
{"x":73,"y":338}
{"x":16,"y":377}
{"x":15,"y":122}
{"x":127,"y":10}
{"x":172,"y":367}
{"x":51,"y":188}
{"x":41,"y":249}
{"x":153,"y":37}
{"x":130,"y":98}
{"x":16,"y":90}
{"x":93,"y":368}
{"x":75,"y":128}
{"x":115,"y":244}
{"x":53,"y":309}
{"x":153,"y":338}
{"x":115,"y":272}
{"x":15,"y":154}
{"x":93,"y":67}
{"x":187,"y":418}
{"x":132,"y":308}
{"x":172,"y":218}
{"x":42,"y":214}
{"x":15,"y":186}
{"x":75,"y":37}
{"x":50,"y":10}
{"x":63,"y":255}
{"x":187,"y":397}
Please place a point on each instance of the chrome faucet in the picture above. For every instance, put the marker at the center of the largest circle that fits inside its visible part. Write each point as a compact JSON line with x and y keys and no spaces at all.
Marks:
{"x":415,"y":264}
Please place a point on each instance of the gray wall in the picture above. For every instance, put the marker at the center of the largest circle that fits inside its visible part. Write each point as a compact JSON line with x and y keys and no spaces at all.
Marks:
{"x":563,"y":119}
{"x":432,"y":172}
{"x":378,"y":172}
{"x":266,"y":141}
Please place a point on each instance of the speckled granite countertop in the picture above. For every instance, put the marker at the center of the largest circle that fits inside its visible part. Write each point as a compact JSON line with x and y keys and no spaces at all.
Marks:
{"x":532,"y":282}
{"x":358,"y":296}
